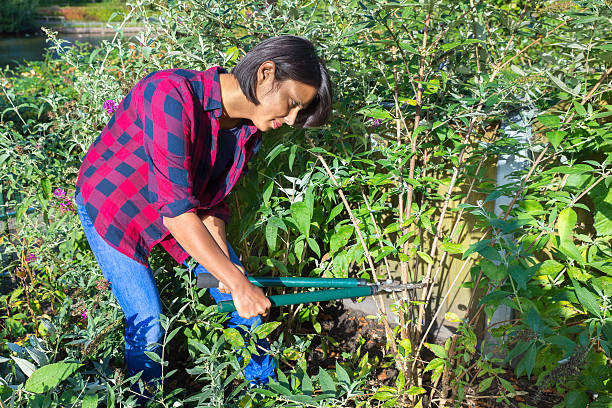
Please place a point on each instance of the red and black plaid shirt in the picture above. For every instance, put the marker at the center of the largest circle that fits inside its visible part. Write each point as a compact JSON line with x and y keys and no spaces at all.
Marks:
{"x":162,"y":154}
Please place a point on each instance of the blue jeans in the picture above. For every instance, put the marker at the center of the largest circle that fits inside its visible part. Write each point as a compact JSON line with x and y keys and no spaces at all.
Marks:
{"x":134,"y":288}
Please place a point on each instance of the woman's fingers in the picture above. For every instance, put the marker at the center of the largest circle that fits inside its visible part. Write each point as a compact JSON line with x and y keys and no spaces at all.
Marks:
{"x":250,"y":301}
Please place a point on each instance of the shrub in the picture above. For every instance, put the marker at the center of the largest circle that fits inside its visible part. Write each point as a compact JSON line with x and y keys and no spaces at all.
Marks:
{"x":426,"y":96}
{"x":17,"y":15}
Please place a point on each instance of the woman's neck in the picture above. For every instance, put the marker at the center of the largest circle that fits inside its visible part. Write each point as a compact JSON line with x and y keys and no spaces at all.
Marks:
{"x":235,"y":105}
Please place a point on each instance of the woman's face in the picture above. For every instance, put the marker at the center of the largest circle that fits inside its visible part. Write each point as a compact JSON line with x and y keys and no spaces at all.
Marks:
{"x":279,"y":102}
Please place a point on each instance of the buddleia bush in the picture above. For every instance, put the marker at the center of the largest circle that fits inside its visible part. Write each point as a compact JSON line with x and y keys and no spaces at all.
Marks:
{"x":429,"y":97}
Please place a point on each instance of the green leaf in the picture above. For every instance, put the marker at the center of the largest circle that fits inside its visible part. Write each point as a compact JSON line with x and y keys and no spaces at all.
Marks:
{"x":580,"y":109}
{"x":267,"y":192}
{"x":233,"y":337}
{"x":306,"y":385}
{"x":535,"y":322}
{"x":45,"y":186}
{"x":24,"y":365}
{"x":271,"y":233}
{"x":292,"y":156}
{"x":375,"y":113}
{"x":569,"y":249}
{"x":340,"y":238}
{"x":452,"y":248}
{"x":494,"y":297}
{"x":275,"y":152}
{"x":587,"y":299}
{"x":476,"y":246}
{"x":433,"y":364}
{"x":602,"y":220}
{"x":438,"y":350}
{"x":301,"y":217}
{"x":490,"y":253}
{"x":334,"y":212}
{"x":406,"y":345}
{"x":400,"y":382}
{"x":520,"y":275}
{"x":272,"y":227}
{"x":549,"y":120}
{"x":518,"y":349}
{"x":492,"y":271}
{"x":327,"y":383}
{"x":280,"y":389}
{"x":314,"y":246}
{"x":580,"y":168}
{"x":555,"y":137}
{"x":298,"y":247}
{"x":550,"y":267}
{"x":568,"y":346}
{"x":110,"y":397}
{"x":557,"y":81}
{"x":90,"y":401}
{"x":265,"y":329}
{"x":527,"y":363}
{"x":425,"y":257}
{"x":414,"y":390}
{"x":342,"y":375}
{"x":383,"y":395}
{"x":576,"y":399}
{"x":485,"y":384}
{"x":49,"y":376}
{"x":565,"y":223}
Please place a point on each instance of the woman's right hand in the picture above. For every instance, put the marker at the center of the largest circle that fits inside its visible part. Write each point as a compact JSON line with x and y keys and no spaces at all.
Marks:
{"x":250,"y":300}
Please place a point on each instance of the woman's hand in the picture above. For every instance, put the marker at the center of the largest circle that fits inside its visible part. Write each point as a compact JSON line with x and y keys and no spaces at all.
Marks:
{"x":250,"y":300}
{"x":223,"y":288}
{"x":226,"y":289}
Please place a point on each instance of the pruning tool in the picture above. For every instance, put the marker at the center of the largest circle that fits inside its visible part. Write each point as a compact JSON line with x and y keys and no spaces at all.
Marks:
{"x":348,"y":288}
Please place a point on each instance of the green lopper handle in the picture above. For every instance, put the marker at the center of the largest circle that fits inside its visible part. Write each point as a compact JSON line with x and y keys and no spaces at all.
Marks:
{"x":206,"y":280}
{"x":307,"y":297}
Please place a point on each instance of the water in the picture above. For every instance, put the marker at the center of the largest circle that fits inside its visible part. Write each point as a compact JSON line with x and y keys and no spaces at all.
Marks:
{"x":19,"y":49}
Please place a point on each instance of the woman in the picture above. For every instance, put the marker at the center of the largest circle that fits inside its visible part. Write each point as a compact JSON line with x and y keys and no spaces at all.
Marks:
{"x":160,"y":170}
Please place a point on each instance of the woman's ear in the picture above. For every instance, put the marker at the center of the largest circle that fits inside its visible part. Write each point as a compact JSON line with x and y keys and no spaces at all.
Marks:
{"x":266,"y":72}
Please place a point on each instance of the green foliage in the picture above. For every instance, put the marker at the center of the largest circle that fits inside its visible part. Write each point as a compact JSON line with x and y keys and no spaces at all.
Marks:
{"x":17,"y":15}
{"x":412,"y":134}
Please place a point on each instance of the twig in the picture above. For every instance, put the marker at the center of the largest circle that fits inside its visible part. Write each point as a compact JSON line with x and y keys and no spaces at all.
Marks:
{"x":413,"y":149}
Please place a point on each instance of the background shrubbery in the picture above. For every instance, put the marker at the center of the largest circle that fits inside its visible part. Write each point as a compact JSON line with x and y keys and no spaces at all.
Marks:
{"x":17,"y":15}
{"x":397,"y":185}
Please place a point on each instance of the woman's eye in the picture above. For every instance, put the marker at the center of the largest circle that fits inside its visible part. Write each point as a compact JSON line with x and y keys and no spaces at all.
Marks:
{"x":293,"y":103}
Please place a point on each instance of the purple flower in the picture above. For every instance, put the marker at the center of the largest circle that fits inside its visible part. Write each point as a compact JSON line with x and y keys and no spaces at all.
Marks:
{"x":110,"y":106}
{"x":376,"y":122}
{"x":31,"y":258}
{"x":179,"y":21}
{"x":248,"y":14}
{"x":58,"y":192}
{"x":84,"y":314}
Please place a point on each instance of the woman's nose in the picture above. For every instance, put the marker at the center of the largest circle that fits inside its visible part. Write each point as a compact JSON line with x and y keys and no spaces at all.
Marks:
{"x":290,"y":118}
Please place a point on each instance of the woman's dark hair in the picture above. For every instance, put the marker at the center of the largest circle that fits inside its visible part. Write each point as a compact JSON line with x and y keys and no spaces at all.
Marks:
{"x":295,"y":58}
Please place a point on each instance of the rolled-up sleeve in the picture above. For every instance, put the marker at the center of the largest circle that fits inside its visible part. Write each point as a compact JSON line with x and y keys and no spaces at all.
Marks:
{"x":220,"y":211}
{"x":168,"y":117}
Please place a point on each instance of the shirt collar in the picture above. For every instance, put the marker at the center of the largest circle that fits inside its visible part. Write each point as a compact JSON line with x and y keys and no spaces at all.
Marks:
{"x":214,"y":105}
{"x":214,"y":97}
